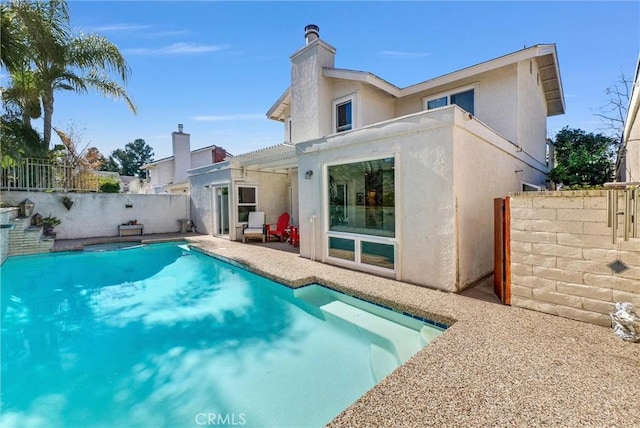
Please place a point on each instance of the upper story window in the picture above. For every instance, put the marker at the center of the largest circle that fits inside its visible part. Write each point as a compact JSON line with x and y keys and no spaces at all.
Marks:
{"x":465,"y":100}
{"x":343,"y":116}
{"x":343,"y":110}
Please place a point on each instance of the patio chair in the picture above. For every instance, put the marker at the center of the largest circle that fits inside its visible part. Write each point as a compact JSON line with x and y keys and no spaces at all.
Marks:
{"x":255,"y":228}
{"x":280,"y":229}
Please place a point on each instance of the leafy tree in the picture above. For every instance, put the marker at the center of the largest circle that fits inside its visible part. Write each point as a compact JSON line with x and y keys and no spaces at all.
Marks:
{"x":12,"y":48}
{"x":614,"y":115}
{"x":55,"y":59}
{"x":583,"y":159}
{"x":110,"y":164}
{"x":94,"y":158}
{"x":22,"y":98}
{"x":129,"y":160}
{"x":18,"y":141}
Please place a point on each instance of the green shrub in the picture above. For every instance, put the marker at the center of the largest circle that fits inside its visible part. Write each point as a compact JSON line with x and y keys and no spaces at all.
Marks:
{"x":109,"y":185}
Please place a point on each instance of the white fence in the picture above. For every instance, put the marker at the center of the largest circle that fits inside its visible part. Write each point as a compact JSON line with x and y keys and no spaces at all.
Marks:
{"x":44,"y":174}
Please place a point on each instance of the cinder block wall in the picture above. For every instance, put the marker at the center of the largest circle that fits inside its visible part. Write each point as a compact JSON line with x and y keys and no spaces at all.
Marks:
{"x":560,"y":249}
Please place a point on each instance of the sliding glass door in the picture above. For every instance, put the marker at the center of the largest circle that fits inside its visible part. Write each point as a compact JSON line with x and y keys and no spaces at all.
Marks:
{"x":221,"y":211}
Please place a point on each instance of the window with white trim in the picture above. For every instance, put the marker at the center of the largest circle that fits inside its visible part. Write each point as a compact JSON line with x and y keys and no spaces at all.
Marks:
{"x":247,"y":202}
{"x":343,"y":113}
{"x":464,"y":99}
{"x":361,"y":213}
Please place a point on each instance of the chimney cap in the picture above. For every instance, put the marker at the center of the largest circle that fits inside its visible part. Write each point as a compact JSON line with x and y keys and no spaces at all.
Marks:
{"x":311,"y":27}
{"x":311,"y":33}
{"x":180,"y":128}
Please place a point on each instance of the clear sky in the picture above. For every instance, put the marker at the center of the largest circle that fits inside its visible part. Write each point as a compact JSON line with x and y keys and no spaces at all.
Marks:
{"x":217,"y":67}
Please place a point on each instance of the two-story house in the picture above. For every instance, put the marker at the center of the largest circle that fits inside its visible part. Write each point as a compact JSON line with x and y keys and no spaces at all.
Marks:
{"x":401,"y":181}
{"x":169,"y":175}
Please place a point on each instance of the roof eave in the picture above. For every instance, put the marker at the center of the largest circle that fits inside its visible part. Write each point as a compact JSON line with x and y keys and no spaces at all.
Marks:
{"x":555,"y":100}
{"x":362,"y":76}
{"x":276,"y":112}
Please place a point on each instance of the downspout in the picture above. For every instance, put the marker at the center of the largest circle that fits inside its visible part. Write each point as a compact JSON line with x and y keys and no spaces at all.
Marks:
{"x":313,"y":237}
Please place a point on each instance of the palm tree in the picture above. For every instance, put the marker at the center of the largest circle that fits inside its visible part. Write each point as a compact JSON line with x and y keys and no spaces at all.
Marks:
{"x":22,"y":98}
{"x":11,"y":44}
{"x":62,"y":61}
{"x":86,"y":65}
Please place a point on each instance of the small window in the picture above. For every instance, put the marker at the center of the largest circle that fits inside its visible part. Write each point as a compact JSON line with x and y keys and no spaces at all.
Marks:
{"x":465,"y":100}
{"x":439,"y":102}
{"x":343,"y":116}
{"x":246,"y":203}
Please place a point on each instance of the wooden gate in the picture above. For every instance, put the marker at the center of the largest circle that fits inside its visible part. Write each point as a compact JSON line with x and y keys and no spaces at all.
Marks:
{"x":502,"y":250}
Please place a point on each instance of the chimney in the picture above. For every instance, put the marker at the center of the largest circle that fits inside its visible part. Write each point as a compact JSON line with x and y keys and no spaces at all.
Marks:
{"x":311,"y":33}
{"x":181,"y":143}
{"x":219,"y":154}
{"x":311,"y":92}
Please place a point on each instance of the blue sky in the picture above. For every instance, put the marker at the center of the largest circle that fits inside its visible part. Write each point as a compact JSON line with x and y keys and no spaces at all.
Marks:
{"x":217,"y":67}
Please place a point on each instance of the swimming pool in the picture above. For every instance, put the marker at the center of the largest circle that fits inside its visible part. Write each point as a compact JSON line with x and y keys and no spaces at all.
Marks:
{"x":162,"y":336}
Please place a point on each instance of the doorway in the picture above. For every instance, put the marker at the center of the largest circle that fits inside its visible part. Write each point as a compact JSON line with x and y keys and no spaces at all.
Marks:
{"x":221,"y":211}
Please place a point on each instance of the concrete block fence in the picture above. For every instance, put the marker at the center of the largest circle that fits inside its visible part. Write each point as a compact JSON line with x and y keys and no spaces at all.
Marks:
{"x":560,"y":249}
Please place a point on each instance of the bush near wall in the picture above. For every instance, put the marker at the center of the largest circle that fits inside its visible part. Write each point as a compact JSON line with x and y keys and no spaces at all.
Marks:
{"x":108,"y":185}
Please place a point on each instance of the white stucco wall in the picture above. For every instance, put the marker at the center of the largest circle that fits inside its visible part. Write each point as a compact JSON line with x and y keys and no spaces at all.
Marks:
{"x":633,"y":153}
{"x":497,"y":102}
{"x":295,"y":202}
{"x":272,"y":193}
{"x":449,"y":168}
{"x":161,"y":174}
{"x":424,"y":201}
{"x":199,"y":159}
{"x":6,"y":215}
{"x":310,"y":91}
{"x":486,"y":167}
{"x":509,"y":100}
{"x":632,"y":133}
{"x":202,"y":209}
{"x":99,"y":214}
{"x":371,"y":104}
{"x":181,"y":156}
{"x":532,"y":111}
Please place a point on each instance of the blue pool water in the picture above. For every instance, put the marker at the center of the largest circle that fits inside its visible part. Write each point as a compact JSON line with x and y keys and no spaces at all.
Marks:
{"x":162,"y":336}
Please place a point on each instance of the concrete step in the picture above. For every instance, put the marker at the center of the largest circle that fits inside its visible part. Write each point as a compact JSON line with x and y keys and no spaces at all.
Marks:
{"x":26,"y":239}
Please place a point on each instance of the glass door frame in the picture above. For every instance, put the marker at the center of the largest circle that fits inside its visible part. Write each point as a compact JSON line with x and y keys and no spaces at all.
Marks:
{"x":219,"y":211}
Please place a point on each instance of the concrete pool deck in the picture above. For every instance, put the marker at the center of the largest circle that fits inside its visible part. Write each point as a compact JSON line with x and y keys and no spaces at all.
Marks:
{"x":494,"y":366}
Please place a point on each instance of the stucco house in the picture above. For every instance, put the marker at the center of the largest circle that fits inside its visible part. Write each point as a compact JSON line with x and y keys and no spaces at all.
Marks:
{"x":631,"y":133}
{"x":401,"y":181}
{"x":223,"y":194}
{"x":169,"y":175}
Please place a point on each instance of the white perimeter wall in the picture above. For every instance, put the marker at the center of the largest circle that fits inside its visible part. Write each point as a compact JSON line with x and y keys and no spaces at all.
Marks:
{"x":99,"y":214}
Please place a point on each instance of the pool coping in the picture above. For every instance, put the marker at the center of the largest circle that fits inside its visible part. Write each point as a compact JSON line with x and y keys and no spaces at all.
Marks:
{"x":493,"y":365}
